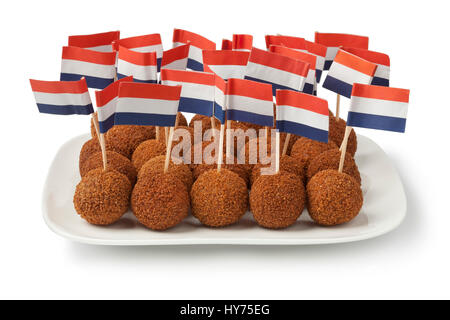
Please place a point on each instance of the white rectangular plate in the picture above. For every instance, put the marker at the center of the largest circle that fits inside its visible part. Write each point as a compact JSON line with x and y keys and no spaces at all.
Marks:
{"x":384,"y":209}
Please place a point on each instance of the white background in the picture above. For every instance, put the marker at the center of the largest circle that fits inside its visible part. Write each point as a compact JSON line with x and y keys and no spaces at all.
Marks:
{"x":410,"y":262}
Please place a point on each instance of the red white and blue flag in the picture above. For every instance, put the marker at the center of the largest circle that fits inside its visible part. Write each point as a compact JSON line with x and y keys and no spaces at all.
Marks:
{"x":147,"y":104}
{"x":141,"y":65}
{"x":378,"y":107}
{"x":242,"y":42}
{"x":310,"y":82}
{"x":99,"y":68}
{"x":62,"y":97}
{"x":107,"y":103}
{"x":197,"y":42}
{"x":197,"y":90}
{"x":226,"y":63}
{"x":346,"y":70}
{"x":302,"y":114}
{"x":220,"y":89}
{"x":286,"y":41}
{"x":333,"y":41}
{"x":227,"y":44}
{"x":381,"y":76}
{"x":145,"y":43}
{"x":320,"y":51}
{"x":97,"y":42}
{"x":176,"y":58}
{"x":279,"y":71}
{"x":249,"y":101}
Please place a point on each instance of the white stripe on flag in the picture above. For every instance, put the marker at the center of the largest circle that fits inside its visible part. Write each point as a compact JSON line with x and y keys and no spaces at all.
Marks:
{"x":320,"y":62}
{"x":195,"y":53}
{"x":107,"y":110}
{"x":273,"y":75}
{"x":250,"y":105}
{"x":302,"y":116}
{"x":144,"y":73}
{"x":193,"y":90}
{"x":152,"y":106}
{"x":331,"y":53}
{"x":219,"y":97}
{"x":63,"y":99}
{"x":379,"y":107}
{"x":104,"y":48}
{"x":311,"y":77}
{"x":157,"y":47}
{"x":176,"y":65}
{"x":88,"y":69}
{"x":382,"y":71}
{"x":229,"y":71}
{"x":348,"y":75}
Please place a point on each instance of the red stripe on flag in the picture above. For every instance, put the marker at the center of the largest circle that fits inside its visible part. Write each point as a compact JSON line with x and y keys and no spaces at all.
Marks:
{"x":380,"y":92}
{"x":138,"y":58}
{"x":138,"y":41}
{"x":149,"y":91}
{"x":220,"y":83}
{"x":286,"y":41}
{"x":278,"y":61}
{"x":175,"y":54}
{"x":298,"y":55}
{"x":94,"y":40}
{"x":80,"y":54}
{"x":227,"y":44}
{"x":224,"y":57}
{"x":316,"y":48}
{"x":196,"y":40}
{"x":188,"y":76}
{"x":372,"y":56}
{"x":342,"y":39}
{"x":242,"y":41}
{"x":79,"y":86}
{"x":248,"y":88}
{"x":302,"y":101}
{"x":355,"y":63}
{"x":110,"y":92}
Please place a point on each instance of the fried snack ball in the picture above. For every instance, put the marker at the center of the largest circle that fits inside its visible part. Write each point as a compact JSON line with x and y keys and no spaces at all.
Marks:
{"x":181,"y":120}
{"x":287,"y":164}
{"x":87,"y":150}
{"x":336,"y":134}
{"x":102,"y":197}
{"x":330,"y":160}
{"x":305,"y":149}
{"x":114,"y":160}
{"x":249,"y":125}
{"x":292,"y":139}
{"x":146,"y":151}
{"x":219,"y":198}
{"x":333,"y":198}
{"x":199,"y":169}
{"x":277,"y":200}
{"x":156,"y":165}
{"x":93,"y":131}
{"x":244,"y":153}
{"x":206,"y":122}
{"x":160,"y":201}
{"x":124,"y":139}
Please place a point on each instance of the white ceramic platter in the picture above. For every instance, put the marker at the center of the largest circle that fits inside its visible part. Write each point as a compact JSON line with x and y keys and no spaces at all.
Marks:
{"x":384,"y":209}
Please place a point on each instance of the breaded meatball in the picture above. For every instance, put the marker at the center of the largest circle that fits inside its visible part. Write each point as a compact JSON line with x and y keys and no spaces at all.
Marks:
{"x":205,"y":121}
{"x":287,"y":163}
{"x":333,"y":198}
{"x":219,"y":198}
{"x":87,"y":150}
{"x":181,"y":120}
{"x":277,"y":200}
{"x":305,"y":149}
{"x":160,"y":201}
{"x":146,"y":151}
{"x":102,"y":197}
{"x":336,"y":134}
{"x":125,"y":139}
{"x":236,"y":168}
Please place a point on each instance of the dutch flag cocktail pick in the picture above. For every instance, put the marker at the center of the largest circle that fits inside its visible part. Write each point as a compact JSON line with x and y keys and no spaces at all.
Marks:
{"x":141,"y":65}
{"x":197,"y":42}
{"x":97,"y":42}
{"x":220,"y":87}
{"x":176,"y":58}
{"x":227,"y":44}
{"x":197,"y":90}
{"x":320,"y":51}
{"x":286,"y":41}
{"x":242,"y":42}
{"x":280,"y":71}
{"x":145,"y":43}
{"x":99,"y":68}
{"x":226,"y":63}
{"x":333,"y":41}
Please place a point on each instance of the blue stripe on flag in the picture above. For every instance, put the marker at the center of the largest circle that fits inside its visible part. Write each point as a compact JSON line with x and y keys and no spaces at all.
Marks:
{"x":318,"y":75}
{"x":275,"y":86}
{"x":372,"y":121}
{"x":107,"y":124}
{"x":65,"y":110}
{"x":145,"y":119}
{"x":255,"y":118}
{"x":338,"y":86}
{"x":308,"y":88}
{"x":302,"y":130}
{"x":197,"y":106}
{"x":376,"y":81}
{"x":219,"y":113}
{"x":158,"y":63}
{"x":92,"y":82}
{"x":327,"y":64}
{"x":121,"y":76}
{"x":194,"y":65}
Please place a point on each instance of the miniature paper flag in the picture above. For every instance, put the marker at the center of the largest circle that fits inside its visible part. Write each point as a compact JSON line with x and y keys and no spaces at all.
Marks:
{"x":226,"y":63}
{"x":176,"y":58}
{"x":320,"y":51}
{"x":62,"y":97}
{"x":106,"y":104}
{"x":99,"y":68}
{"x":141,"y":65}
{"x":227,"y":44}
{"x":145,"y":43}
{"x":310,"y":82}
{"x":219,"y":99}
{"x":197,"y":42}
{"x":286,"y":41}
{"x":302,"y":114}
{"x":147,"y":104}
{"x":97,"y":42}
{"x":346,"y":70}
{"x":197,"y":90}
{"x":249,"y":101}
{"x":378,"y":107}
{"x":280,"y":71}
{"x":336,"y":40}
{"x":242,"y":42}
{"x":381,"y":76}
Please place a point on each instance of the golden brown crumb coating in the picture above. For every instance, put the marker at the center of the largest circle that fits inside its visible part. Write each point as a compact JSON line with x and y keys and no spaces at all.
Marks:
{"x":336,"y":131}
{"x":236,"y":168}
{"x":277,"y":201}
{"x":87,"y":150}
{"x":330,"y":160}
{"x":102,"y":197}
{"x":125,"y":139}
{"x":287,"y":163}
{"x":219,"y":198}
{"x":181,"y":120}
{"x":305,"y":149}
{"x":156,"y":165}
{"x":146,"y":151}
{"x":205,"y":121}
{"x":160,"y":201}
{"x":333,"y":198}
{"x":115,"y":161}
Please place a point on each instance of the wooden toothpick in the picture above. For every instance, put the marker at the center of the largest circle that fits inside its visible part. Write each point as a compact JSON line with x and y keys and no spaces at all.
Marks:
{"x":220,"y":155}
{"x":168,"y":150}
{"x":286,"y":144}
{"x":344,"y":148}
{"x":277,"y":152}
{"x":338,"y":106}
